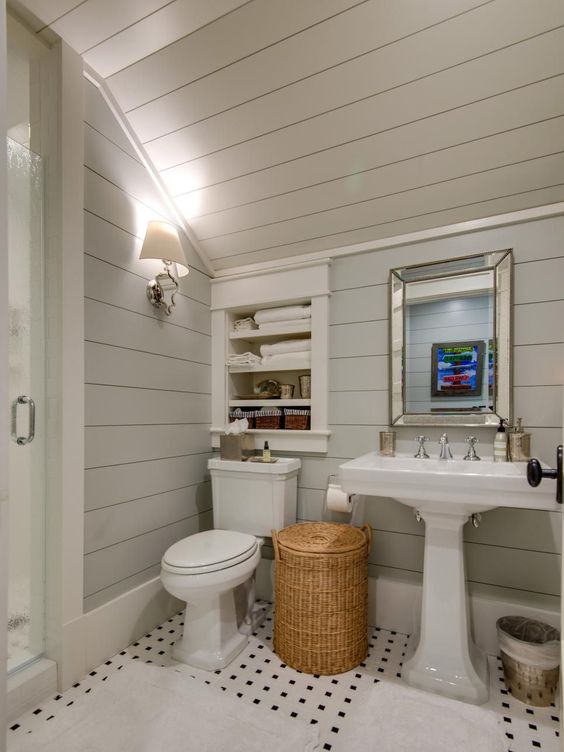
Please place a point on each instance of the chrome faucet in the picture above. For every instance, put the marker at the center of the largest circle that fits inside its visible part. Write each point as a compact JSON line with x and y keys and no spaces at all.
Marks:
{"x":471,"y":455}
{"x":421,"y":452}
{"x":445,"y":454}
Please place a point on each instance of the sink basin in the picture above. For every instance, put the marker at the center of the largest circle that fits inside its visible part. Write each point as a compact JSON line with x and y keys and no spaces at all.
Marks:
{"x":446,"y":493}
{"x":437,"y":485}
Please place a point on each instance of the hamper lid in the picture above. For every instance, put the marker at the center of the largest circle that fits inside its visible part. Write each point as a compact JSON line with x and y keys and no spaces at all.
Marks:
{"x":322,"y":537}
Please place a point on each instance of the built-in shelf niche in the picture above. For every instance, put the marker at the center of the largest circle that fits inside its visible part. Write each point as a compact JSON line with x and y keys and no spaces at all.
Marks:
{"x":242,"y":295}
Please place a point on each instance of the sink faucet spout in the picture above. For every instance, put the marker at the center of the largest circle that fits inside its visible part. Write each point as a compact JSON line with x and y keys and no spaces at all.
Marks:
{"x":445,"y":453}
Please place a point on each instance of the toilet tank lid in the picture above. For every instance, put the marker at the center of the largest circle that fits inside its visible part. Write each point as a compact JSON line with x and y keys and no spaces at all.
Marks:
{"x":282,"y":466}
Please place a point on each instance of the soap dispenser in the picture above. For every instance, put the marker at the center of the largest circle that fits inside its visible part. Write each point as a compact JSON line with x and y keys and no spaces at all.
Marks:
{"x":519,"y":444}
{"x":500,"y":442}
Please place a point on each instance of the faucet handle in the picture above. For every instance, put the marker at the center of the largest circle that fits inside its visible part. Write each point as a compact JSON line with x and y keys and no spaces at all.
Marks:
{"x":471,"y":455}
{"x":422,"y":452}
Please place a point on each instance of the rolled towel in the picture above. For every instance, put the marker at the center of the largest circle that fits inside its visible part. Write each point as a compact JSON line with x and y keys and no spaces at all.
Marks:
{"x":286,"y":313}
{"x":286,"y":346}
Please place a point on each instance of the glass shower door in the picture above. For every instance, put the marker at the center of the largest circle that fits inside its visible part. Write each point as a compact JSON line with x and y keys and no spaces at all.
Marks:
{"x":26,"y":570}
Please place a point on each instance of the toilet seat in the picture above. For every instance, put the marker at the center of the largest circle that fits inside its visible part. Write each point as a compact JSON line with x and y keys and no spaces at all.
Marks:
{"x":210,"y":551}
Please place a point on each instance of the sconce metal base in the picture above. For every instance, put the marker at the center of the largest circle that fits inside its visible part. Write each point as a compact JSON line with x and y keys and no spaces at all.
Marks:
{"x":157,"y":289}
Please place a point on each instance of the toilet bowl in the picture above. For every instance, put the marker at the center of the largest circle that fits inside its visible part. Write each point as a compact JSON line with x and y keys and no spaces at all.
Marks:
{"x":213,"y":572}
{"x":203,"y":571}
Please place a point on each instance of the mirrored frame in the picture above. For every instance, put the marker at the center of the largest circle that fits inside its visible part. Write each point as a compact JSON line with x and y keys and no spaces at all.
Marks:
{"x":500,"y":264}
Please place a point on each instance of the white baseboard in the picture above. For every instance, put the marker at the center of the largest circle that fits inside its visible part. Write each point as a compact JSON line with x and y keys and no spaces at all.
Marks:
{"x":395,"y":604}
{"x":29,"y":686}
{"x":115,"y":625}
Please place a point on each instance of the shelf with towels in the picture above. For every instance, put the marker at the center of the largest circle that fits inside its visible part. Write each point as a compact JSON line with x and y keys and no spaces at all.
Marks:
{"x":239,"y":299}
{"x":272,"y":334}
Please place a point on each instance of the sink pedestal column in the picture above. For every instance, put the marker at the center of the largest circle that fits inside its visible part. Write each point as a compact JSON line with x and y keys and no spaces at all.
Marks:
{"x":446,"y":660}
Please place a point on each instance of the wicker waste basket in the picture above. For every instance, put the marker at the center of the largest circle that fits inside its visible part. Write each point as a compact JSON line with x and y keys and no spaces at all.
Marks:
{"x":530,"y":655}
{"x":320,"y":621}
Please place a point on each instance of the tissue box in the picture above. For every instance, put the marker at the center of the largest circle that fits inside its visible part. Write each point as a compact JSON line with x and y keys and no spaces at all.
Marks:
{"x":238,"y":446}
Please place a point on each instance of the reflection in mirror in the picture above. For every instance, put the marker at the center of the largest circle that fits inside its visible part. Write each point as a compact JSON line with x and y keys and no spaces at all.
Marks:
{"x":450,"y":325}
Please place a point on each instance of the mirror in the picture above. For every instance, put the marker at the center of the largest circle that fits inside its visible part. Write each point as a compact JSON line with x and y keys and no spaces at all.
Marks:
{"x":450,"y":341}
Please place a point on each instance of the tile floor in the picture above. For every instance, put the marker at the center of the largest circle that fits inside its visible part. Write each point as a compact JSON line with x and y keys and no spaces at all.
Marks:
{"x":258,"y":676}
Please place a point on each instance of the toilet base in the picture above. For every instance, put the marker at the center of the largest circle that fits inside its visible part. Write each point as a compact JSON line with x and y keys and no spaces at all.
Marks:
{"x":201,"y":658}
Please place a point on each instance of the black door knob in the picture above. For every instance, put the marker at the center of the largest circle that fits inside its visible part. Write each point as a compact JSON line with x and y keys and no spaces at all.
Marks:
{"x":535,"y":473}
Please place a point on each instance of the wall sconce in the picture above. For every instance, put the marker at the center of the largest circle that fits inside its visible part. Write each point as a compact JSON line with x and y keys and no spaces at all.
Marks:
{"x":162,"y":242}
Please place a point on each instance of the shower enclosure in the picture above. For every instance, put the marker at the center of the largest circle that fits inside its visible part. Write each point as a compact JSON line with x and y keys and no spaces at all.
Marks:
{"x":27,"y":381}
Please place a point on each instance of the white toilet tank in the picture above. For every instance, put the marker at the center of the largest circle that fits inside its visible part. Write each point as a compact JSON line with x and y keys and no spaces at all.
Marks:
{"x":252,"y":497}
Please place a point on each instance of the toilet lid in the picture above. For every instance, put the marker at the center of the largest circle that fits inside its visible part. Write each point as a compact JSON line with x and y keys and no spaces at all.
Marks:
{"x":209,"y":551}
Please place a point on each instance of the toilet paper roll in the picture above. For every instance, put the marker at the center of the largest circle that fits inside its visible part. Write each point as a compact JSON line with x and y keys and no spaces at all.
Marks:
{"x":338,"y":500}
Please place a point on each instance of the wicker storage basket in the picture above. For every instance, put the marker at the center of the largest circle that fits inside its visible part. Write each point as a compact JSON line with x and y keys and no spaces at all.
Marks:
{"x":239,"y":413}
{"x":296,"y":420}
{"x":268,"y":419}
{"x":320,"y":623}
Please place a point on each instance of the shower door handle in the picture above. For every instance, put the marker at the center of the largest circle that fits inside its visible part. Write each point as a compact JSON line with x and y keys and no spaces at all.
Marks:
{"x":23,"y":400}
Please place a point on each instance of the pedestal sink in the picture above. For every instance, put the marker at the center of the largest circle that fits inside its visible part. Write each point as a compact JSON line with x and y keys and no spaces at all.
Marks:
{"x":446,"y":494}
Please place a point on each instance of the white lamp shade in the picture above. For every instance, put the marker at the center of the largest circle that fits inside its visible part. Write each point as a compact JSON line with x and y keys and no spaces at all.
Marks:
{"x":162,"y":242}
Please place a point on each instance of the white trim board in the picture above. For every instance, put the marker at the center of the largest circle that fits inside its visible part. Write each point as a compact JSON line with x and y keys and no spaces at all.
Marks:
{"x":28,"y":687}
{"x":460,"y":228}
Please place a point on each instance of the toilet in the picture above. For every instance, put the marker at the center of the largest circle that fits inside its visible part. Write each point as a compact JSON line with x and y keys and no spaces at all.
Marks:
{"x":213,"y":572}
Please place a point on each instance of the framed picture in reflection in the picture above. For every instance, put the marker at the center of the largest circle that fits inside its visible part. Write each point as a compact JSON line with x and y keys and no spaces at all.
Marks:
{"x":457,"y":369}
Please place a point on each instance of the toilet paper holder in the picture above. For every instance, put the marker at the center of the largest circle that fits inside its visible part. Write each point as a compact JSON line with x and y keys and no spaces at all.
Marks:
{"x":336,"y":500}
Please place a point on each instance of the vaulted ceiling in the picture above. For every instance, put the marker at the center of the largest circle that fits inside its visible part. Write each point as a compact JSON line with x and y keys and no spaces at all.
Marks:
{"x":286,"y":127}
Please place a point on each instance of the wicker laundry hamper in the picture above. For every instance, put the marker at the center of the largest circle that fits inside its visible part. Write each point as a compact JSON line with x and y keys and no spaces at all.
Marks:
{"x":320,"y":621}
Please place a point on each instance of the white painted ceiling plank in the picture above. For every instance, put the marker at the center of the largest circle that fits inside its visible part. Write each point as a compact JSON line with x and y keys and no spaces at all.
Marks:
{"x":95,"y":20}
{"x":483,"y":31}
{"x":515,"y":66}
{"x":363,"y":239}
{"x":49,"y":10}
{"x":162,"y":28}
{"x":483,"y":186}
{"x":526,"y":142}
{"x":538,"y":101}
{"x":235,"y":36}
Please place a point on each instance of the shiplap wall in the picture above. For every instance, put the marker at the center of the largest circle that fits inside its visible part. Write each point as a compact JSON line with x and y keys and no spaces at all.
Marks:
{"x":459,"y":320}
{"x":515,"y":550}
{"x":147,"y":377}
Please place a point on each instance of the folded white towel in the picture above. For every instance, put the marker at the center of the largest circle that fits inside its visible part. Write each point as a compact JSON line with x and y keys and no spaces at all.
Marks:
{"x":243,"y":359}
{"x":248,"y":323}
{"x":286,"y":313}
{"x":287,"y":326}
{"x":286,"y":346}
{"x":295,"y":358}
